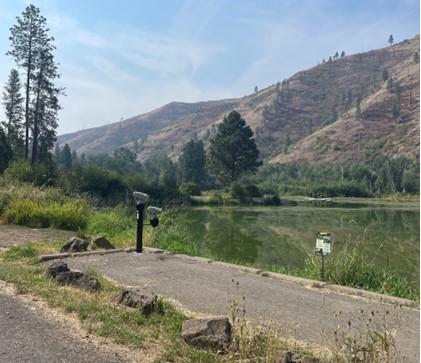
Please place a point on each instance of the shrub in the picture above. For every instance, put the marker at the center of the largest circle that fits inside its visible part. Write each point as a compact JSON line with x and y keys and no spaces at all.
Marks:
{"x":41,"y":174}
{"x":112,"y":223}
{"x":238,"y":192}
{"x":189,"y":188}
{"x":252,"y":191}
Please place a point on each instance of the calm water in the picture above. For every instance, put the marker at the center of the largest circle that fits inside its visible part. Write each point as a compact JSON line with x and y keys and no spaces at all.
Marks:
{"x":286,"y":235}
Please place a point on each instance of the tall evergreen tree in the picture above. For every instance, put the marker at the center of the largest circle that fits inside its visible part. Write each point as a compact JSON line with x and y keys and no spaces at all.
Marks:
{"x":233,"y":151}
{"x":192,"y":163}
{"x":391,"y":40}
{"x":45,"y":103}
{"x":342,"y":54}
{"x":5,"y":151}
{"x":28,"y":37}
{"x":12,"y":101}
{"x":66,"y":157}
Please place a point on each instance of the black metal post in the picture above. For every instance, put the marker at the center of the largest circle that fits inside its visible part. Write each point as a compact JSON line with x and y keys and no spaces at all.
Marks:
{"x":140,"y":208}
{"x":323,"y":268}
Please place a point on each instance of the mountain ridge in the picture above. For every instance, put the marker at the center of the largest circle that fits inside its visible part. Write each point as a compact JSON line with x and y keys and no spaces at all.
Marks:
{"x":329,"y":112}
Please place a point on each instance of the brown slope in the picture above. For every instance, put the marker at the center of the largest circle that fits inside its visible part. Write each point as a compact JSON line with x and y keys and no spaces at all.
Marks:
{"x":376,"y":130}
{"x":291,"y":116}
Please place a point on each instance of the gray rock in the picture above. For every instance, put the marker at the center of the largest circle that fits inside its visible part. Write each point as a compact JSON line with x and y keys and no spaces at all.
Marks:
{"x":75,"y":244}
{"x":60,"y":272}
{"x":56,"y":268}
{"x":133,"y":298}
{"x":291,"y":357}
{"x":212,"y":333}
{"x":79,"y":280}
{"x":102,"y":243}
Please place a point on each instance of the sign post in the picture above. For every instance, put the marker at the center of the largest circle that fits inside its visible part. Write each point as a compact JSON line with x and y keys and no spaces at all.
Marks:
{"x":323,"y":248}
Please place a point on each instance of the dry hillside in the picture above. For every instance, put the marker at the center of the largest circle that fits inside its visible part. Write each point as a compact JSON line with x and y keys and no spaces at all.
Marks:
{"x":339,"y":110}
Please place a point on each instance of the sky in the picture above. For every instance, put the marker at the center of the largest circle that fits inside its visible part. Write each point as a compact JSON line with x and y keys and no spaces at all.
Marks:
{"x":121,"y":58}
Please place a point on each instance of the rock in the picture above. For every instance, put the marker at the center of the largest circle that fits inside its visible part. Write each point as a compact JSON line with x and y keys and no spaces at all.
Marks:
{"x":79,"y":280}
{"x":207,"y":332}
{"x":291,"y":357}
{"x":60,"y":272}
{"x":56,"y":268}
{"x":133,"y":298}
{"x":75,"y":244}
{"x":101,"y":242}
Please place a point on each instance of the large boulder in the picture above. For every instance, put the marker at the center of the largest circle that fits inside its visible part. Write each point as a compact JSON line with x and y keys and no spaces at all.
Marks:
{"x":214,"y":333}
{"x":102,"y":243}
{"x":60,"y":272}
{"x":75,"y":244}
{"x":146,"y":303}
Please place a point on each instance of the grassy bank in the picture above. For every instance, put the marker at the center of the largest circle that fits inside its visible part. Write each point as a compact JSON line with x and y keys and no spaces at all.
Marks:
{"x":159,"y":333}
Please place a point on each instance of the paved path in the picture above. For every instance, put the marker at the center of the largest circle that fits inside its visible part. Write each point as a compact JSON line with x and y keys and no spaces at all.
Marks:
{"x":11,"y":234}
{"x":26,"y":336}
{"x":307,"y":314}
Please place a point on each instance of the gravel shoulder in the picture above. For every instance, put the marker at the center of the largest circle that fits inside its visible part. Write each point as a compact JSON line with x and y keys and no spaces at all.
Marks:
{"x":306,"y":314}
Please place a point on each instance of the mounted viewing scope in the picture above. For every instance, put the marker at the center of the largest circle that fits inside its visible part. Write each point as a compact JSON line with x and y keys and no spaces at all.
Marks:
{"x":141,"y":197}
{"x":154,"y":212}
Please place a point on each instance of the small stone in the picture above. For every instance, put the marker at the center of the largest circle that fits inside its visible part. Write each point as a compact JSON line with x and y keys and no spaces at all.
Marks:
{"x":212,"y":333}
{"x":75,"y":244}
{"x":133,"y":298}
{"x":102,"y":243}
{"x":56,"y":268}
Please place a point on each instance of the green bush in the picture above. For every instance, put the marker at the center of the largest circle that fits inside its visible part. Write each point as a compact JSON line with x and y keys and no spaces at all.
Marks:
{"x":41,"y":174}
{"x":69,"y":215}
{"x":189,"y":188}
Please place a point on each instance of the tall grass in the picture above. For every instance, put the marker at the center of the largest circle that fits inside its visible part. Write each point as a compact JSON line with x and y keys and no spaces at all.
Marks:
{"x":69,"y":215}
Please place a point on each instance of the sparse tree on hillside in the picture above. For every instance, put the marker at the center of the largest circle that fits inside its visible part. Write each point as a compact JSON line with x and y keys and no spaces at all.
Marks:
{"x":342,"y":54}
{"x":256,"y":89}
{"x":330,"y":59}
{"x":233,"y":151}
{"x":336,"y":55}
{"x":12,"y":101}
{"x":416,"y":57}
{"x":390,"y":83}
{"x":385,"y":75}
{"x":391,"y":40}
{"x":28,"y":37}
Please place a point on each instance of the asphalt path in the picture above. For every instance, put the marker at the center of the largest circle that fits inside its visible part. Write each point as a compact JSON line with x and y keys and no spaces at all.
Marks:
{"x":27,"y":336}
{"x":307,"y":314}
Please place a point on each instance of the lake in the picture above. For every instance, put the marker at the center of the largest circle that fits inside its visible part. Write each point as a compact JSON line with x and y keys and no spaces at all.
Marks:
{"x":284,"y":236}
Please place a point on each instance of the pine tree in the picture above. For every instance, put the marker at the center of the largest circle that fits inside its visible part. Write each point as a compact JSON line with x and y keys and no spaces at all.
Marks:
{"x":45,"y":103}
{"x":416,"y":57}
{"x":391,"y":40}
{"x":385,"y":75}
{"x":27,"y":38}
{"x":5,"y":151}
{"x":233,"y":151}
{"x":192,"y":163}
{"x":342,"y":54}
{"x":12,"y":101}
{"x":336,"y":55}
{"x":256,"y":89}
{"x":66,"y":157}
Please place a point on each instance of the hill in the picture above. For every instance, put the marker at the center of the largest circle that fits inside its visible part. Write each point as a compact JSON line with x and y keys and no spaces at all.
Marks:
{"x":340,"y":110}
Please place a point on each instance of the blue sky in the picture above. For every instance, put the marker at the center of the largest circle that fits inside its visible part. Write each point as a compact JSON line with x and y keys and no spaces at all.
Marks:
{"x":122,"y":58}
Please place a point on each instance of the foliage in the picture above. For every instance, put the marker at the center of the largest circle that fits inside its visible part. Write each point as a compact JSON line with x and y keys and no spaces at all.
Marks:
{"x":12,"y":101}
{"x":189,"y":188}
{"x":233,"y":151}
{"x":192,"y":163}
{"x":5,"y":151}
{"x":40,"y":174}
{"x":32,"y":49}
{"x":69,"y":215}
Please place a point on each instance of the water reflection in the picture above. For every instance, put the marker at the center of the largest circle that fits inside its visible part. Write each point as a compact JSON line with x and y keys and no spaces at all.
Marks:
{"x":285,"y":235}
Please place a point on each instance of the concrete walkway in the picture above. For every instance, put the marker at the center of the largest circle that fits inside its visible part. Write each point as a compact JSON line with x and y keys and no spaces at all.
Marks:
{"x":307,"y":314}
